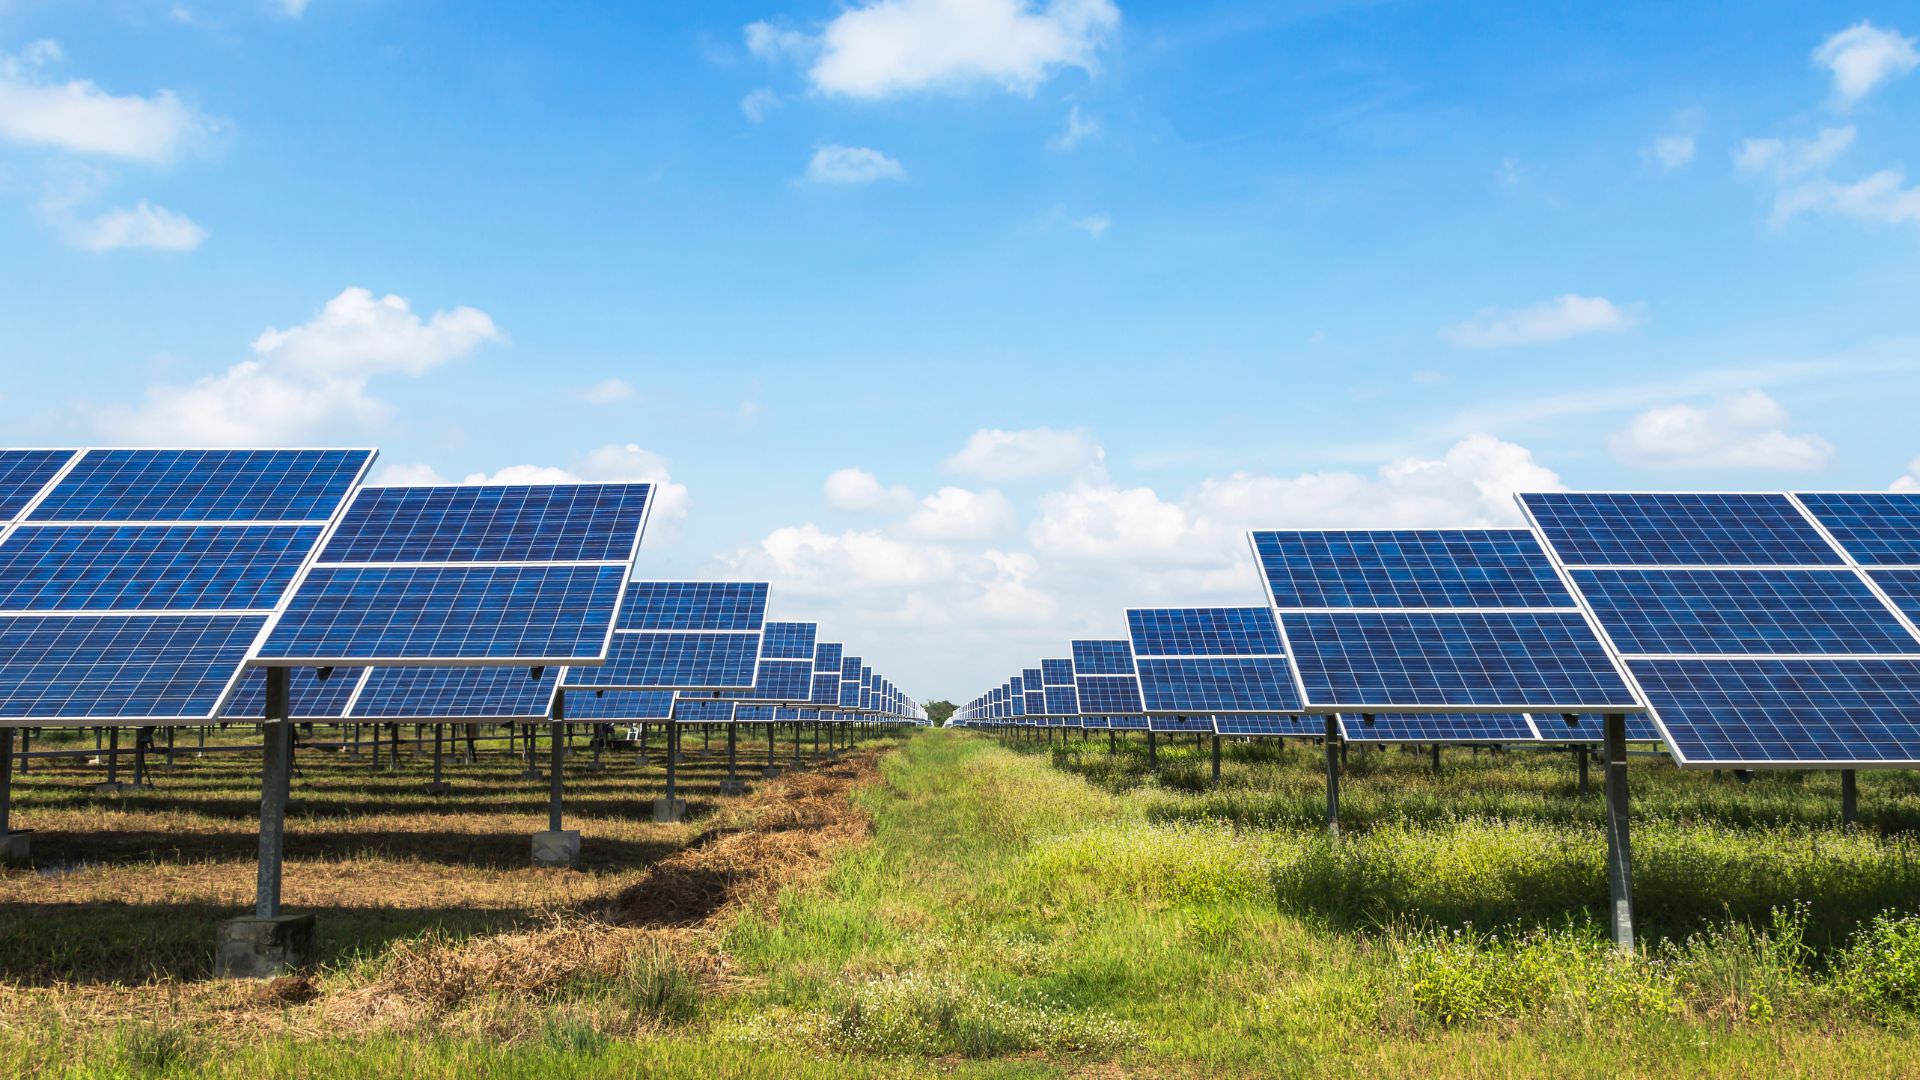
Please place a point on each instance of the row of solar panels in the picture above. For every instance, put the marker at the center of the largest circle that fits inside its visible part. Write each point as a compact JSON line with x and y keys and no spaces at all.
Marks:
{"x":151,"y":586}
{"x":1752,"y":630}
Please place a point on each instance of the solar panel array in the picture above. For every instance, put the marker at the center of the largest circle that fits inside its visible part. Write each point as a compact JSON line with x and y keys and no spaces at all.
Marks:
{"x":1211,"y":660}
{"x":1763,"y":629}
{"x":682,"y":635}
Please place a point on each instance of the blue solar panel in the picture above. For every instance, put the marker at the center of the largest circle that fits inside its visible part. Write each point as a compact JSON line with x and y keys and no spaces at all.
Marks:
{"x":309,"y":696}
{"x":1876,"y":528}
{"x":1056,"y":673}
{"x":826,"y":658}
{"x":694,"y":605}
{"x":1218,"y":684}
{"x":1121,"y":723}
{"x":1432,"y":568}
{"x":1032,"y":678}
{"x":1102,"y":658}
{"x":788,"y":681}
{"x":491,"y":523}
{"x":1591,"y":727}
{"x":1420,"y":661}
{"x":464,"y":693}
{"x":1062,"y":701}
{"x":204,"y":485}
{"x":850,"y":669}
{"x":709,"y":711}
{"x":826,"y":689}
{"x":1269,"y":724}
{"x":1903,"y":588}
{"x":1742,"y":611}
{"x":1109,"y":693}
{"x":23,"y":473}
{"x":1700,"y":529}
{"x":789,"y":641}
{"x":1036,"y":702}
{"x":689,"y":661}
{"x":127,"y":567}
{"x":1180,"y":725}
{"x":615,"y":706}
{"x":1204,"y":632}
{"x":120,"y":667}
{"x":1759,"y":712}
{"x":1437,"y":727}
{"x":473,"y":613}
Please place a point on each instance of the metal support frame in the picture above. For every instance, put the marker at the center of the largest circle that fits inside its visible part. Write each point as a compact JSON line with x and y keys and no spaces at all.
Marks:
{"x":275,"y":779}
{"x":673,"y":761}
{"x":113,"y":755}
{"x":556,"y":752}
{"x":1216,"y":761}
{"x":1849,"y":798}
{"x":1436,"y":759}
{"x":1619,"y":851}
{"x":439,"y":751}
{"x":1581,"y":753}
{"x":6,"y":781}
{"x":796,"y":744}
{"x":1333,"y":774}
{"x":733,"y":774}
{"x":1153,"y":750}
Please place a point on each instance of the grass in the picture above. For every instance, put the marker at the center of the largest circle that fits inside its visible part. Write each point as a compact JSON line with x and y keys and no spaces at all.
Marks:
{"x":1015,"y":910}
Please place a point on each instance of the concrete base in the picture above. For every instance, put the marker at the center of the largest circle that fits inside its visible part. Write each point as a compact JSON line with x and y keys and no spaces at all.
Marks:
{"x":667,"y":811}
{"x":533,"y":774}
{"x":558,"y":849}
{"x":735,"y":786}
{"x":255,"y":948}
{"x":16,"y":848}
{"x":120,"y":787}
{"x":439,"y":788}
{"x":770,"y":771}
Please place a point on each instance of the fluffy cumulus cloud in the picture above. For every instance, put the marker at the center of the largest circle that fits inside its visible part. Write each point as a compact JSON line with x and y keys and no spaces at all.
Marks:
{"x":614,"y":463}
{"x":305,"y":381}
{"x":887,"y":48}
{"x":1736,"y":431}
{"x":37,"y":108}
{"x":1029,"y":453}
{"x":1882,"y":198}
{"x":852,"y":165}
{"x":611,"y":391}
{"x":858,"y":489}
{"x":141,"y":226}
{"x":1911,"y":481}
{"x":1786,"y":159}
{"x":1863,"y":56}
{"x":955,"y":513}
{"x":1565,"y":317}
{"x":1673,"y":152}
{"x":1078,"y":129}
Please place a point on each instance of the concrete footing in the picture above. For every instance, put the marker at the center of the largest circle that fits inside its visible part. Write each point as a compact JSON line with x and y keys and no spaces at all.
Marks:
{"x":16,"y":848}
{"x":667,"y":810}
{"x":735,"y":786}
{"x":256,"y":948}
{"x":560,"y":849}
{"x":770,"y":771}
{"x":533,"y":774}
{"x":120,"y":787}
{"x":439,"y":787}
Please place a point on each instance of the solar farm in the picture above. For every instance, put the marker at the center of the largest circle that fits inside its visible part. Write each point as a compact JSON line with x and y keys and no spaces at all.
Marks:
{"x":316,"y":758}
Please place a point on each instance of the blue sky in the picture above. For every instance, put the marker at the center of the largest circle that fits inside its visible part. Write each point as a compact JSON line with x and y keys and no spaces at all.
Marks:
{"x":970,"y":322}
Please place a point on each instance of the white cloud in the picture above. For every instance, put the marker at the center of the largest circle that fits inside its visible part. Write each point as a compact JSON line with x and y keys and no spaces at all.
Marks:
{"x":78,"y":116}
{"x":852,"y":165}
{"x":412,"y":475}
{"x":1784,"y":159}
{"x":815,"y":562}
{"x":1863,"y":56}
{"x":1079,"y":128}
{"x":1880,"y":199}
{"x":144,"y":225}
{"x":293,"y":9}
{"x":857,"y":489}
{"x":1094,"y":225}
{"x":994,"y":454}
{"x":1735,"y":431}
{"x":1911,"y":481}
{"x":610,"y":391}
{"x":955,"y":513}
{"x":886,"y":48}
{"x":758,"y":104}
{"x":1555,"y":320}
{"x":1673,"y":152}
{"x":614,"y":463}
{"x":306,"y":380}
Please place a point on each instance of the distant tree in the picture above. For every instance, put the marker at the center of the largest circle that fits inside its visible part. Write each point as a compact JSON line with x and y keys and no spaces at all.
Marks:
{"x":938,"y":711}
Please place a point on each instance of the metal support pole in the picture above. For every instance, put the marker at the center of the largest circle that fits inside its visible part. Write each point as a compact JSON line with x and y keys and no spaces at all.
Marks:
{"x":169,"y":748}
{"x":733,"y":775}
{"x":276,"y":766}
{"x":533,"y":770}
{"x":439,"y":749}
{"x":673,"y":759}
{"x":113,"y":755}
{"x":376,"y":744}
{"x":1581,"y":753}
{"x":1849,"y":798}
{"x":1113,"y":743}
{"x":25,"y":746}
{"x":557,"y":750}
{"x":1619,"y":853}
{"x":393,"y":759}
{"x":1333,"y":774}
{"x":1153,"y":750}
{"x":796,"y":744}
{"x":1216,"y":761}
{"x":770,"y":727}
{"x":816,"y":739}
{"x":6,"y":780}
{"x":1436,"y":759}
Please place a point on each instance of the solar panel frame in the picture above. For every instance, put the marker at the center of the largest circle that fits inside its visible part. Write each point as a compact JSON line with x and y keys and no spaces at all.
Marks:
{"x":1462,"y":728}
{"x":731,"y":656}
{"x":1206,"y":660}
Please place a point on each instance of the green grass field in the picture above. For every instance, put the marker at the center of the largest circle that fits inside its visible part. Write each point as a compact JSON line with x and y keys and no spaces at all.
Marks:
{"x":1026,"y":910}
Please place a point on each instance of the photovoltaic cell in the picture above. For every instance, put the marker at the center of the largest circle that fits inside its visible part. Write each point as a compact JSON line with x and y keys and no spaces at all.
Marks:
{"x":826,"y":689}
{"x":1056,"y":673}
{"x":1036,"y":702}
{"x":1590,"y":728}
{"x":694,"y":605}
{"x":1876,"y":528}
{"x":491,"y":523}
{"x":23,"y":473}
{"x":1437,"y":727}
{"x":1109,"y":693}
{"x":1761,"y":712}
{"x":1204,"y":632}
{"x":1408,"y":569}
{"x":150,"y":567}
{"x":780,"y":681}
{"x":1697,"y":529}
{"x":1756,"y":611}
{"x":309,"y":696}
{"x":1275,"y":724}
{"x":459,"y":693}
{"x":673,"y":661}
{"x":708,"y":711}
{"x":1102,"y":658}
{"x":618,"y":706}
{"x":826,"y":657}
{"x":1473,"y":661}
{"x":1123,"y":723}
{"x":1178,"y":725}
{"x":1218,"y":684}
{"x":1032,"y":679}
{"x":106,"y":667}
{"x":204,"y":485}
{"x":1903,"y":588}
{"x":789,"y":641}
{"x":1062,"y":701}
{"x":549,"y":613}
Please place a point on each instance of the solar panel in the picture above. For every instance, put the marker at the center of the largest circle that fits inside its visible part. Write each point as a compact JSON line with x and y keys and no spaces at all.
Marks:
{"x":1677,"y":529}
{"x":709,"y":711}
{"x":618,"y":706}
{"x":1589,"y":728}
{"x":1437,"y":727}
{"x":789,"y":641}
{"x":850,"y":682}
{"x":682,"y":635}
{"x":1102,"y":658}
{"x":1215,"y":631}
{"x":204,"y":485}
{"x":1056,"y":673}
{"x":1903,"y":588}
{"x":309,"y":696}
{"x":1062,"y":701}
{"x":1747,"y":611}
{"x":695,"y":605}
{"x":1124,"y":723}
{"x":1205,"y":660}
{"x":1757,"y":713}
{"x":1274,"y":724}
{"x":113,"y":613}
{"x":1432,"y":568}
{"x":1879,"y":528}
{"x":1180,"y":725}
{"x":1110,"y":694}
{"x":466,"y":575}
{"x":24,"y":474}
{"x":826,"y":657}
{"x":460,"y":693}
